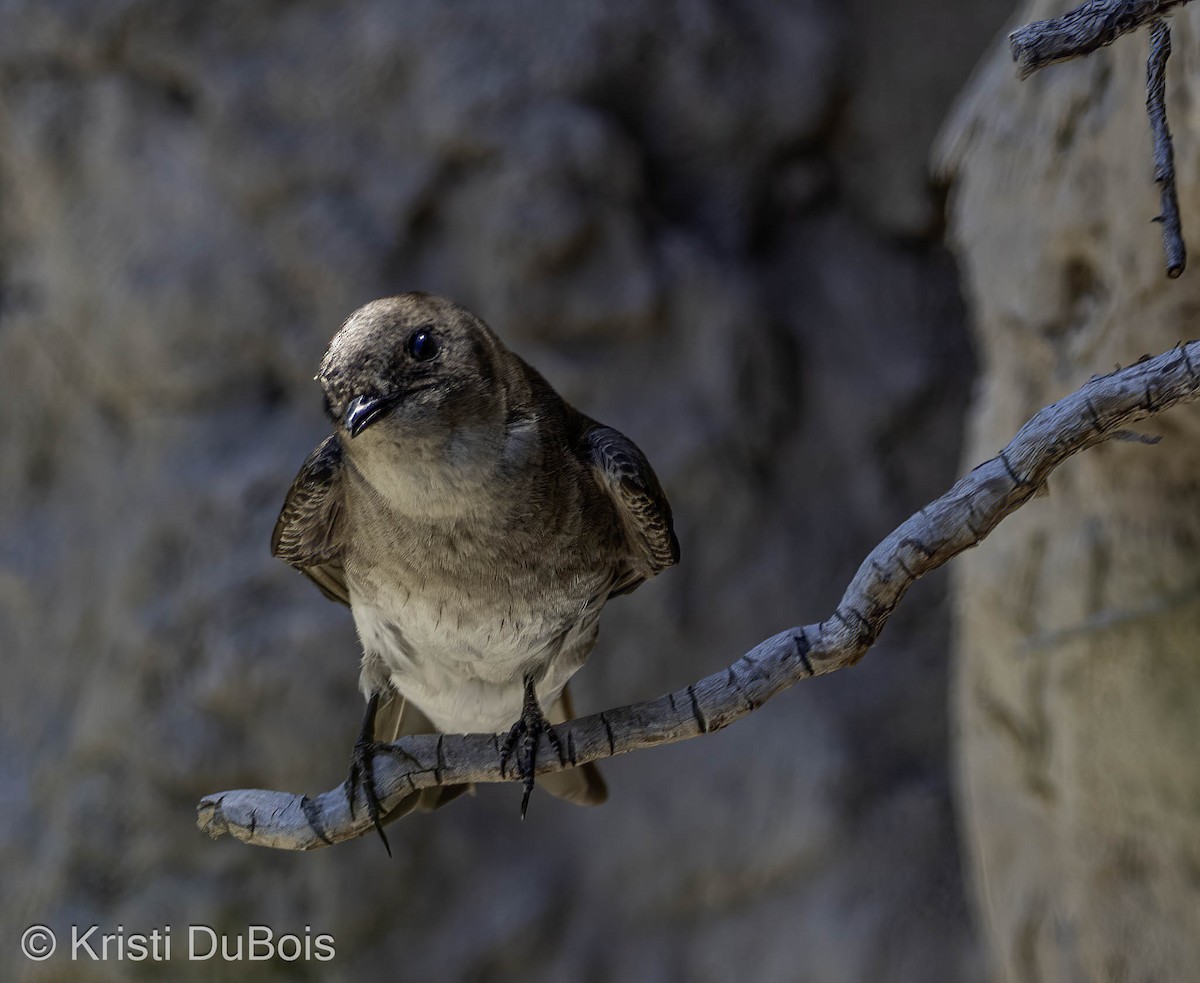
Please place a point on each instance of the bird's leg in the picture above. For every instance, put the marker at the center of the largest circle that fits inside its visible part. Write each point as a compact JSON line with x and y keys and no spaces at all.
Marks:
{"x":524,"y":737}
{"x":362,"y":772}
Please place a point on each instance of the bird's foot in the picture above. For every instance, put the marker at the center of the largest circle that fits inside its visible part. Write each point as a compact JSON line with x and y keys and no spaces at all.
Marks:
{"x":362,"y":776}
{"x":523,"y":739}
{"x":362,"y":771}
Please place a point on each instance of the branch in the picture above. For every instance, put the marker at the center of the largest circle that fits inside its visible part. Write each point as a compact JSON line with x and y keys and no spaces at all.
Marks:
{"x":1091,"y":26}
{"x":1164,"y":152}
{"x":955,"y":522}
{"x":1087,"y":28}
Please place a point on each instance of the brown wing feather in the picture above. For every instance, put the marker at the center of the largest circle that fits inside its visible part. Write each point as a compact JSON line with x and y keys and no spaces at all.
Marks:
{"x":624,"y":473}
{"x":306,"y":533}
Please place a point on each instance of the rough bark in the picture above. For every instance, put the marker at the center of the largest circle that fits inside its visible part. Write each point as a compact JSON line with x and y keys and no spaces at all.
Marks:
{"x":1082,"y":30}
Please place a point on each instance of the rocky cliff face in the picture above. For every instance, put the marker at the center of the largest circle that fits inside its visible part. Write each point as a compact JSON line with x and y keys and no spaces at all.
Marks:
{"x":1076,"y":694}
{"x":708,"y":224}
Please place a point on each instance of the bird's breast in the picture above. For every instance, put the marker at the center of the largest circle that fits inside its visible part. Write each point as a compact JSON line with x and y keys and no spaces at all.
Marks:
{"x":458,"y":605}
{"x":460,"y":642}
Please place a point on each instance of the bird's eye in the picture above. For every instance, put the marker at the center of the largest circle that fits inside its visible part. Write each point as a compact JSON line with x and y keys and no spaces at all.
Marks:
{"x":423,"y":345}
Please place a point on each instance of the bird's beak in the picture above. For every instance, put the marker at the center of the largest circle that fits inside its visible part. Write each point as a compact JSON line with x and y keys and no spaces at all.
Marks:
{"x":365,"y":410}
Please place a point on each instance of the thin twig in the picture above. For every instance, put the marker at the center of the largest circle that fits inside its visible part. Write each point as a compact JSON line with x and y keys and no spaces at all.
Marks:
{"x":1164,"y":152}
{"x":955,"y":522}
{"x":1081,"y":31}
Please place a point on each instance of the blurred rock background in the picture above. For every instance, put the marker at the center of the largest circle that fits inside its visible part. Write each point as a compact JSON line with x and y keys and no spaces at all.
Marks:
{"x":1078,"y":683}
{"x":709,"y":224}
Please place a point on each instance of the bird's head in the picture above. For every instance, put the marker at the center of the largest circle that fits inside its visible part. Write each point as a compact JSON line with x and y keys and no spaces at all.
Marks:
{"x":412,"y":369}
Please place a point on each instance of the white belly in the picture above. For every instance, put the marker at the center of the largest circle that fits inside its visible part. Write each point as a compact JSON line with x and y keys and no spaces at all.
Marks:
{"x":465,"y":668}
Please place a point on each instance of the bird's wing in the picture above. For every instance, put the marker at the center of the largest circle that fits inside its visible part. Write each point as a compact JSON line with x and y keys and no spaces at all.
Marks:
{"x":626,"y":476}
{"x":307,"y":532}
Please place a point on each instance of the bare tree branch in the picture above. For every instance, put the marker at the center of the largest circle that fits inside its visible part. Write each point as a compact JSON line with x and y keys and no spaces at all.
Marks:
{"x":1081,"y":31}
{"x":1164,"y":152}
{"x":955,"y":522}
{"x":1093,"y":25}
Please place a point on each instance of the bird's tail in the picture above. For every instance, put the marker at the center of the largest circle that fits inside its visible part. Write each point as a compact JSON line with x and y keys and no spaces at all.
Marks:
{"x":398,"y":718}
{"x":584,"y":785}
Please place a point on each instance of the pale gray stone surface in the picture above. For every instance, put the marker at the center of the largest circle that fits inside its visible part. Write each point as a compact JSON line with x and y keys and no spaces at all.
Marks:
{"x":652,"y":202}
{"x":1078,"y":683}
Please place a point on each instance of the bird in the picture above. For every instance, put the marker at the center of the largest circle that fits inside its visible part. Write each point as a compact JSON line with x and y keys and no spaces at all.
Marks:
{"x":476,"y":524}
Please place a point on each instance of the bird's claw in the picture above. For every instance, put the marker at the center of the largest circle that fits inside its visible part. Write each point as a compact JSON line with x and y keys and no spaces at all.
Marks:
{"x":362,"y":775}
{"x":523,"y":739}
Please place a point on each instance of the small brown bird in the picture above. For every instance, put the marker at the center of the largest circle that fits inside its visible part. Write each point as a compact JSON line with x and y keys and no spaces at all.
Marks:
{"x":476,"y":524}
